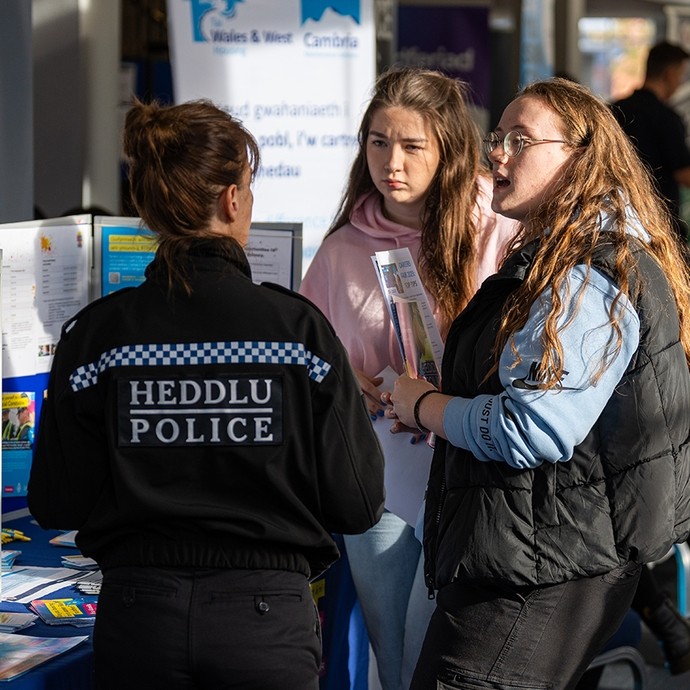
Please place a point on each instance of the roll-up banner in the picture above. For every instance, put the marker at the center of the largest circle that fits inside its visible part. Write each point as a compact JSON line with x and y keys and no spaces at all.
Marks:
{"x":298,"y":73}
{"x":453,"y":39}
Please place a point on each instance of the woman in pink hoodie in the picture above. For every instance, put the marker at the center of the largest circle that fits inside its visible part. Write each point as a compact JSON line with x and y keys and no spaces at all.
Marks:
{"x":416,"y":182}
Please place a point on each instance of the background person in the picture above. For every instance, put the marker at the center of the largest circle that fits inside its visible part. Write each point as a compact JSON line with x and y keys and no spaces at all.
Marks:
{"x":416,"y":182}
{"x":656,"y":129}
{"x":9,"y":430}
{"x":664,"y":620}
{"x":204,"y":434}
{"x":652,"y":605}
{"x":25,"y":420}
{"x":660,"y":137}
{"x":561,"y":463}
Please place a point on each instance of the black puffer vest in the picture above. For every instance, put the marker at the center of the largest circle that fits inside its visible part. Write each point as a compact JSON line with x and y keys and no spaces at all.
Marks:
{"x":625,"y":493}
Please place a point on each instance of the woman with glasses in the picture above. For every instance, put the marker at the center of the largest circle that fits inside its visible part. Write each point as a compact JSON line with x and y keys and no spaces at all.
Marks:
{"x":562,"y":461}
{"x":416,"y":182}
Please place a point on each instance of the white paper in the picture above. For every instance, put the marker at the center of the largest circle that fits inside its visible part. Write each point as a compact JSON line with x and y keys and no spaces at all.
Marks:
{"x":407,"y":465}
{"x":25,"y":584}
{"x":269,"y":253}
{"x":45,"y":281}
{"x":13,"y":621}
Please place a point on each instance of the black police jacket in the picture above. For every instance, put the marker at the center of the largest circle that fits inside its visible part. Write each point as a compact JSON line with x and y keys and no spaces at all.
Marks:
{"x":221,"y":428}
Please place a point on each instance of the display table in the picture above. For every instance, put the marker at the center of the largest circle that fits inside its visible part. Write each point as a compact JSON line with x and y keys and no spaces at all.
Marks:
{"x":345,"y":642}
{"x":71,"y":670}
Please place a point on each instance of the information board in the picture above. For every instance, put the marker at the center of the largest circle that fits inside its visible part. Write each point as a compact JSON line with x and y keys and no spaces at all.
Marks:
{"x":124,"y":247}
{"x":46,"y":266}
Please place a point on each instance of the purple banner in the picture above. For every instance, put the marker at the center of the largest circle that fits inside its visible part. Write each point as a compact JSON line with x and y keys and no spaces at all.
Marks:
{"x":453,"y":40}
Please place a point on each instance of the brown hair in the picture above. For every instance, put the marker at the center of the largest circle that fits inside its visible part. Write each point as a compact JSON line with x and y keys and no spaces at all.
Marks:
{"x":181,"y":157}
{"x":447,"y":255}
{"x":604,"y":177}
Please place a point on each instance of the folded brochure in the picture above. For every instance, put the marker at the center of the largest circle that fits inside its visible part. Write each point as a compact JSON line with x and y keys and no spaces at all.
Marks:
{"x":75,"y":611}
{"x":410,"y":311}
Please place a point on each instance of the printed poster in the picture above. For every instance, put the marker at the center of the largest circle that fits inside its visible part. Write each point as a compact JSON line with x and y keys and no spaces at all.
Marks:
{"x":46,"y":268}
{"x":298,"y":73}
{"x":126,"y":251}
{"x":18,"y":431}
{"x":124,"y":247}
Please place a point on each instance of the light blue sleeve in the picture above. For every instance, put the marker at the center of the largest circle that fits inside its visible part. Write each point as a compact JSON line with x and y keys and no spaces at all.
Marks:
{"x":524,"y":426}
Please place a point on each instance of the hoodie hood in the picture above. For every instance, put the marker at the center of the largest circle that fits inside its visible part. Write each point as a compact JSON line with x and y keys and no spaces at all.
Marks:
{"x":367,"y":216}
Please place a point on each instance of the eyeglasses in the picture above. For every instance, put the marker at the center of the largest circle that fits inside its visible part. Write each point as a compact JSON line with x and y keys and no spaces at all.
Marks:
{"x":513,"y":143}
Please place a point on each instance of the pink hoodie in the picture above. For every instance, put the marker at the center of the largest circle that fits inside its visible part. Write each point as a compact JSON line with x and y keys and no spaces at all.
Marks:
{"x":342,"y":282}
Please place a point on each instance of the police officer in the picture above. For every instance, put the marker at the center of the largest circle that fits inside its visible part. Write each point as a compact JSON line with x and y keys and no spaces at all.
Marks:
{"x":204,"y":434}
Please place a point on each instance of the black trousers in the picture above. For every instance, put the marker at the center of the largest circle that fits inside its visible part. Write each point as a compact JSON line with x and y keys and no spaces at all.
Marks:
{"x":521,"y":638}
{"x":178,"y":629}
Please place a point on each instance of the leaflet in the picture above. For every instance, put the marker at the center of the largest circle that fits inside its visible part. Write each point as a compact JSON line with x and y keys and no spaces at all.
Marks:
{"x":11,"y":621}
{"x":410,"y":312}
{"x":21,"y":653}
{"x":73,"y":611}
{"x":27,"y":583}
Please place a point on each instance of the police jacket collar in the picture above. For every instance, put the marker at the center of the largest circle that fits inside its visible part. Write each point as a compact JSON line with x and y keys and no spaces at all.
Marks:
{"x":212,"y":253}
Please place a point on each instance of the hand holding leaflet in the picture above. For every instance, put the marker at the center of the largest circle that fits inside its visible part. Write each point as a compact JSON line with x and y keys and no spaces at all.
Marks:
{"x":407,"y":466}
{"x":413,"y":321}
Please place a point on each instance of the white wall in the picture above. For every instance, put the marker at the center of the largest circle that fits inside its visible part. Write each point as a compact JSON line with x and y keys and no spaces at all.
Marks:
{"x":58,"y":106}
{"x":76,"y":54}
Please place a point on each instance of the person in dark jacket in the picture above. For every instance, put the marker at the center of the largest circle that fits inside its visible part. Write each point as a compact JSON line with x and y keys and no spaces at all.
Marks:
{"x":656,"y":129}
{"x":205,"y":435}
{"x":562,"y":461}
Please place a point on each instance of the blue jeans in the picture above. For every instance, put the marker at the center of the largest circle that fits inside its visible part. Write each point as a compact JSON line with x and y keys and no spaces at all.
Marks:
{"x":502,"y":637}
{"x":185,"y":628}
{"x":387,"y":569}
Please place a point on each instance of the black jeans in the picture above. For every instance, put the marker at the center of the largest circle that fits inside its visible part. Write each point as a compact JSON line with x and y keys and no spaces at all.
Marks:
{"x":177,"y":629}
{"x":521,"y":638}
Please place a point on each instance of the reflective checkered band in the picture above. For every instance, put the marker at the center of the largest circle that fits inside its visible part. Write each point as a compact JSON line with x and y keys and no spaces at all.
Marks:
{"x":180,"y":354}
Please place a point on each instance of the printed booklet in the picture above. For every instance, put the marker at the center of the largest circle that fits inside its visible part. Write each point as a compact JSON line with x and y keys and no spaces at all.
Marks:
{"x":21,"y":653}
{"x":79,"y":612}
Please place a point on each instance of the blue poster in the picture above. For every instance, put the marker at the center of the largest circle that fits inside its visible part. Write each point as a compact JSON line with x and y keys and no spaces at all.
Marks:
{"x":46,"y":267}
{"x":126,"y":252}
{"x":21,"y":406}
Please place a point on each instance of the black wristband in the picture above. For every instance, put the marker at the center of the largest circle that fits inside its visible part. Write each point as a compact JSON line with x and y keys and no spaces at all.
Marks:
{"x":415,"y":411}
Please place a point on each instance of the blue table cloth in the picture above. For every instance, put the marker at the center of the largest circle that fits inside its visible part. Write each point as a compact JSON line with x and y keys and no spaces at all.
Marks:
{"x":73,"y":669}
